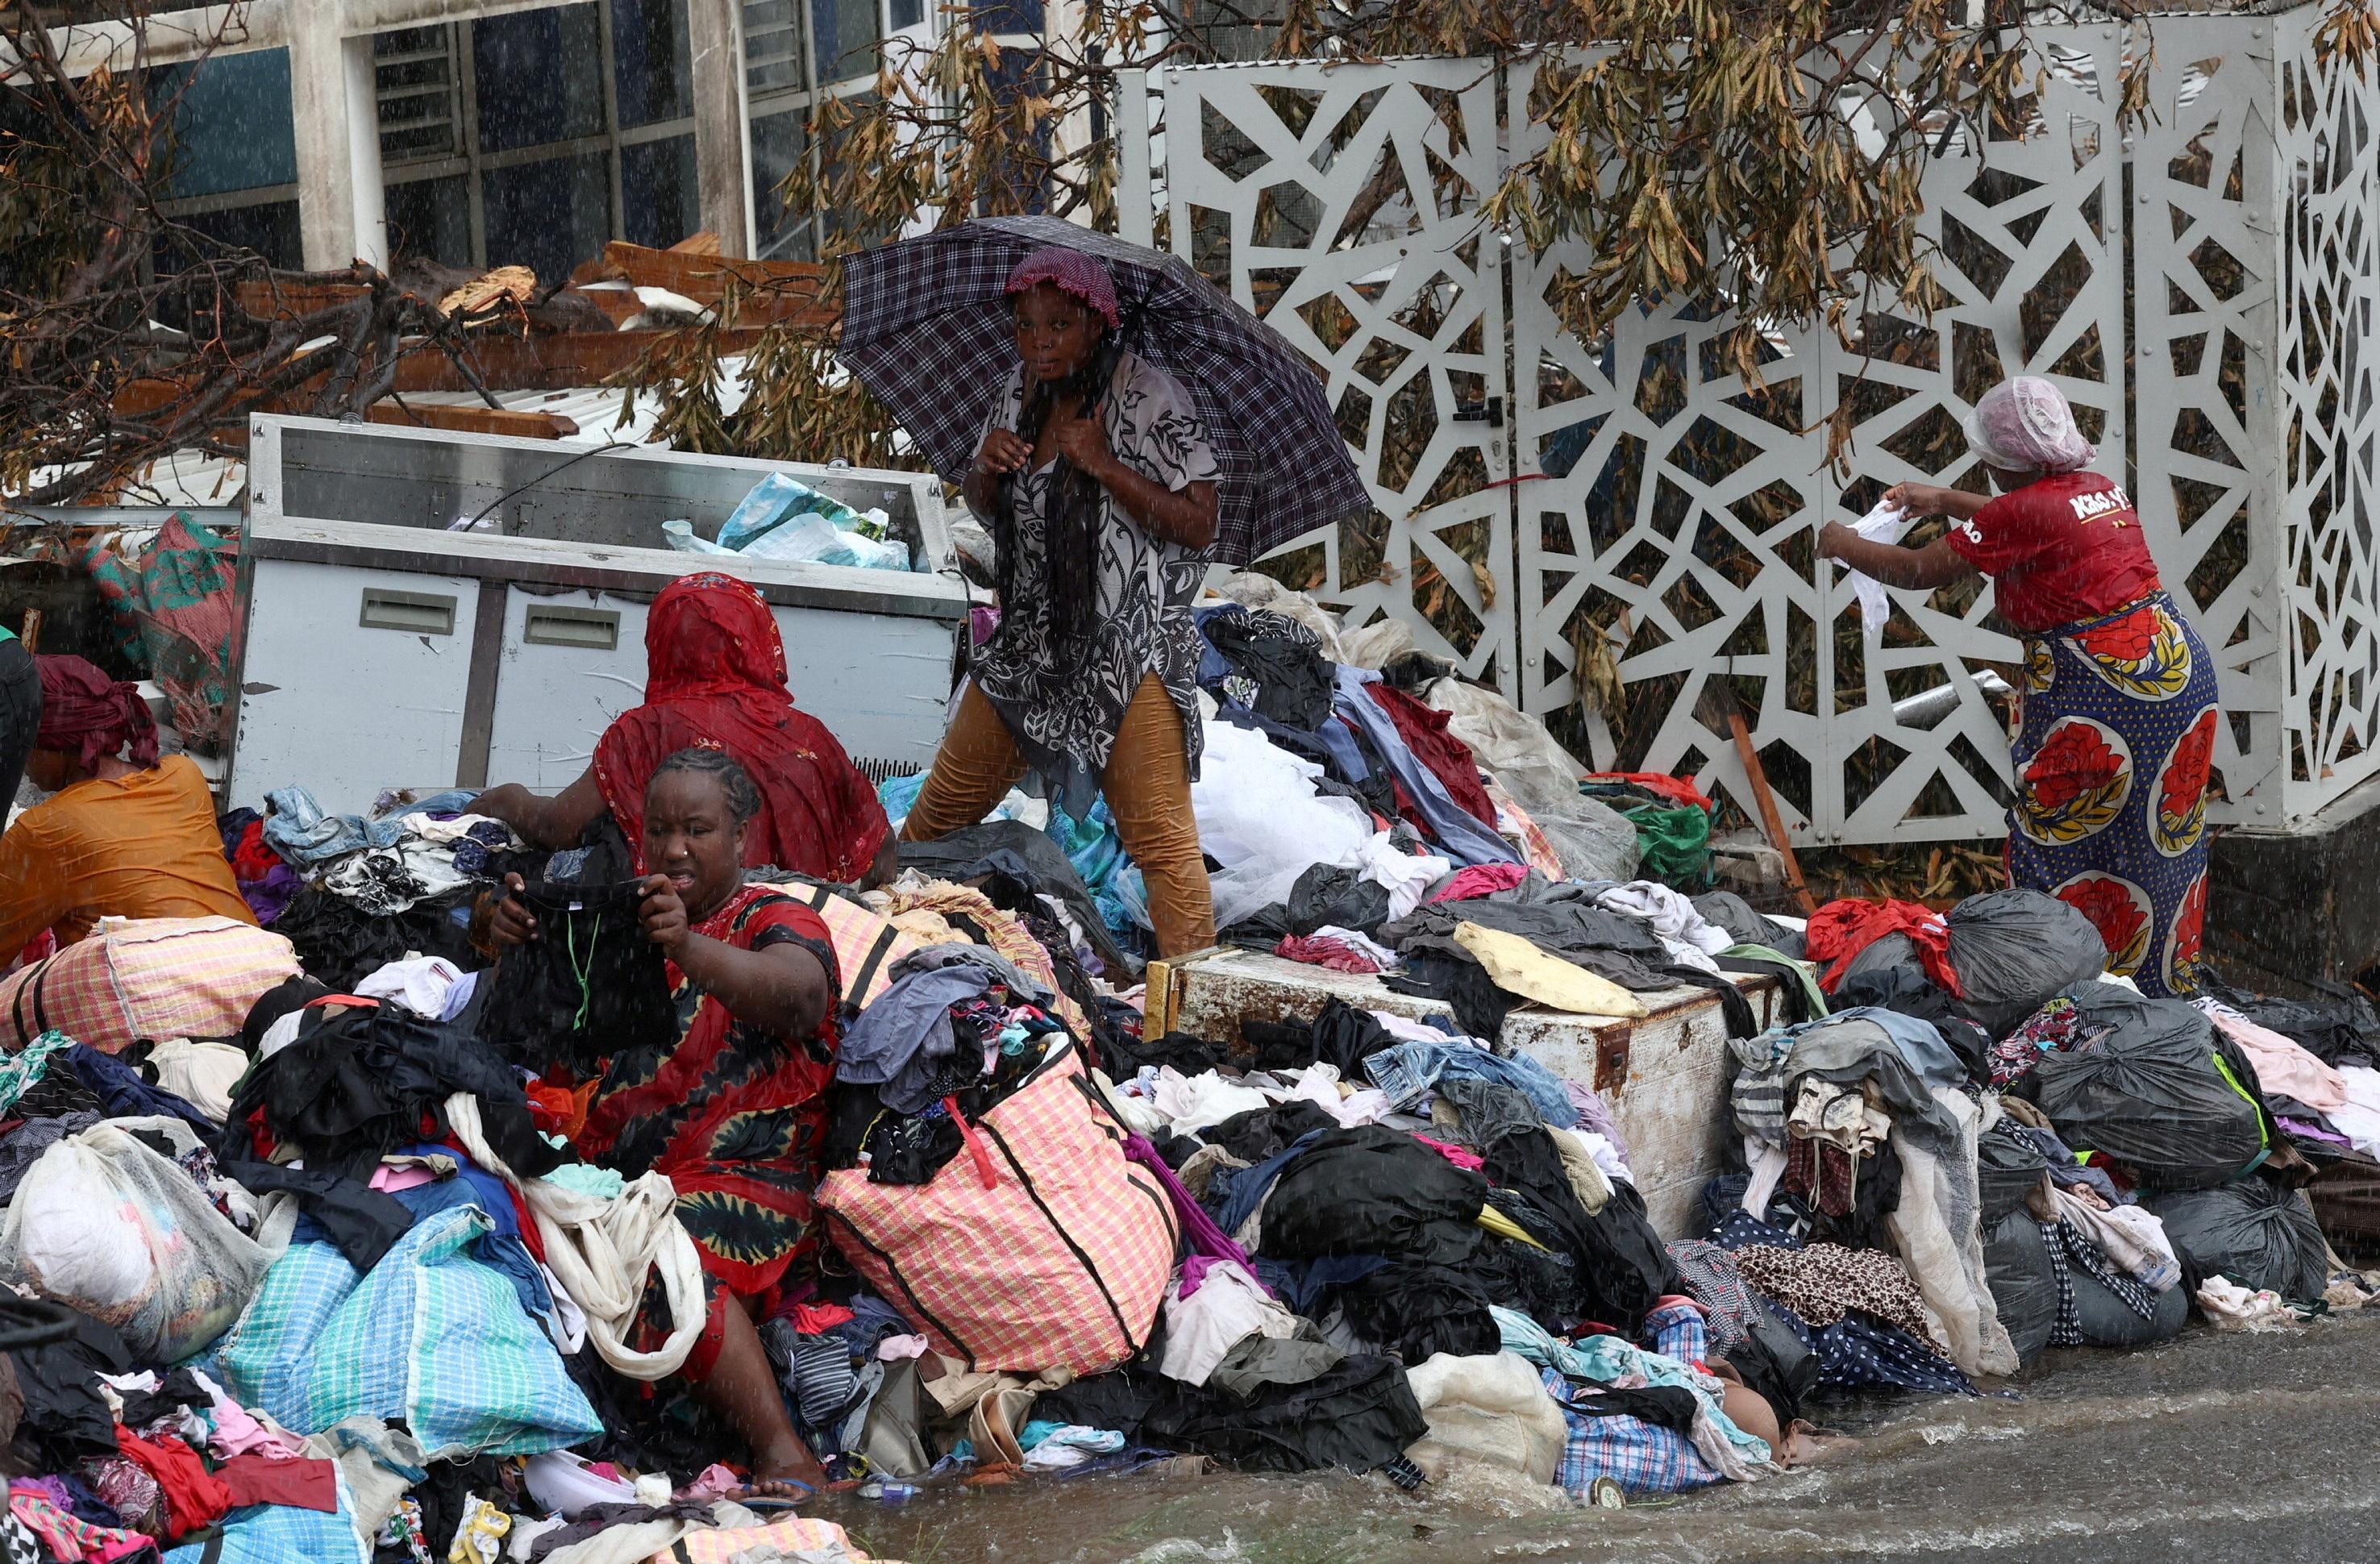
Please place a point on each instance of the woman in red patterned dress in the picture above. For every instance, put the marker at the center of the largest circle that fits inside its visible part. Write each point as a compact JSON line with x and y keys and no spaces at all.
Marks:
{"x":731,"y":1111}
{"x":2119,"y":719}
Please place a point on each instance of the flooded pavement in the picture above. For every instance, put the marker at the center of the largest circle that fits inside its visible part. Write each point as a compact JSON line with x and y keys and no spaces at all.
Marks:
{"x":2210,"y":1447}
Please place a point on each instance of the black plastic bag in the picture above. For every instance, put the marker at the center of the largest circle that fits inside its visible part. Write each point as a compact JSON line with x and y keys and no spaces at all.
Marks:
{"x":2250,"y":1231}
{"x":2156,"y":1089}
{"x":1739,"y":917}
{"x":2016,"y":1265}
{"x":1329,"y":895}
{"x":2015,"y":949}
{"x":2341,"y":1028}
{"x":2106,"y":1320}
{"x":2008,"y":1168}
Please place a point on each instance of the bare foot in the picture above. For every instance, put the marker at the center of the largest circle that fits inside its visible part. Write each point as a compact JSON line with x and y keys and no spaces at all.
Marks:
{"x":783,"y":1464}
{"x":789,"y":1492}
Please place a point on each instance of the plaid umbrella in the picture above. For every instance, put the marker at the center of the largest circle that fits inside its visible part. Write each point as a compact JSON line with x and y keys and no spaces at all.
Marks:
{"x":926,"y":326}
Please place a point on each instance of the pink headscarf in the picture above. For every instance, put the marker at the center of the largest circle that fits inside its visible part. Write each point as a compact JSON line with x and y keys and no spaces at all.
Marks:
{"x":1081,"y":275}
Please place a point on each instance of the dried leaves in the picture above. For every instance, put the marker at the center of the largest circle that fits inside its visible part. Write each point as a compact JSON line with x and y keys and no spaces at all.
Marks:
{"x":1762,"y":157}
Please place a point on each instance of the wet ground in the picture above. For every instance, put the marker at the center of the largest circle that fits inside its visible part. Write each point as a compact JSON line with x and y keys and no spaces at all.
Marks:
{"x":2210,"y":1447}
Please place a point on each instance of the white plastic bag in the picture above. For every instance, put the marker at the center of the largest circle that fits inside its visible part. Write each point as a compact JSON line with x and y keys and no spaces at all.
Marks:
{"x":680,"y":535}
{"x":1491,"y":1410}
{"x":104,"y":1225}
{"x":1259,"y":818}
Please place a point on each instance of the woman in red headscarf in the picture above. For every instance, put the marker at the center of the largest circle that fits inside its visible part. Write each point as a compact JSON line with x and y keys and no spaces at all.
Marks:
{"x":715,"y":679}
{"x":124,"y":833}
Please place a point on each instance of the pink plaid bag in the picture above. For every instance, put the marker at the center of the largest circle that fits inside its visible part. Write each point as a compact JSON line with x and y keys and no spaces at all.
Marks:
{"x":146,"y":978}
{"x":1040,"y":1246}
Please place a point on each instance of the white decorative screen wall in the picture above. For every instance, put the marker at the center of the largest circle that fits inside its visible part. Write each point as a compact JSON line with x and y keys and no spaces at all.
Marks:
{"x":1627,"y":500}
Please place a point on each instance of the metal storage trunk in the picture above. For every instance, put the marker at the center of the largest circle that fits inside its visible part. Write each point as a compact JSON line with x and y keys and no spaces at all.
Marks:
{"x":380,"y":649}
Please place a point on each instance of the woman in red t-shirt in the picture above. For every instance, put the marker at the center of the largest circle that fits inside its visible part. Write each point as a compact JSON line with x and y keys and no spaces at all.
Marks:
{"x":2119,"y":703}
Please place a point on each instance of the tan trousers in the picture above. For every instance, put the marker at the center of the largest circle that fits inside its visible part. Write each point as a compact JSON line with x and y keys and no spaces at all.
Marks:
{"x":1147,"y":787}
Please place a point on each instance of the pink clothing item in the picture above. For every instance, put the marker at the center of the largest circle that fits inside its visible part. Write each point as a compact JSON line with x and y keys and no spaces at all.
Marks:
{"x":390,"y":1180}
{"x":1336,"y":955}
{"x":714,"y":1482}
{"x":2283,"y":1067}
{"x":1480,"y":879}
{"x":1594,"y":1113}
{"x":237,"y":1431}
{"x":1455,"y":1154}
{"x":66,"y":1539}
{"x":1082,"y":277}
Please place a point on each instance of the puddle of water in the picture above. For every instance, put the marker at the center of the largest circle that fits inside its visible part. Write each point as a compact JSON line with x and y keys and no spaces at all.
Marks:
{"x":2136,"y":1457}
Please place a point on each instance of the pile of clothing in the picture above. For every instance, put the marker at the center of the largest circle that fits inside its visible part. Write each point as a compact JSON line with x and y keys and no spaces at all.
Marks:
{"x":283,"y":1293}
{"x":353,"y":893}
{"x":310,"y":1269}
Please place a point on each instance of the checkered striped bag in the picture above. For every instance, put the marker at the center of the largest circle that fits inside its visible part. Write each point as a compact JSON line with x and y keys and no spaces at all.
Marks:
{"x":146,"y":978}
{"x":867,"y":946}
{"x":1037,"y":1246}
{"x":429,"y":1336}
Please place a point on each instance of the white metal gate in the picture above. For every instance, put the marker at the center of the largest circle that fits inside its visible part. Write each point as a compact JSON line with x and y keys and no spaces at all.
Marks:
{"x":2202,"y":287}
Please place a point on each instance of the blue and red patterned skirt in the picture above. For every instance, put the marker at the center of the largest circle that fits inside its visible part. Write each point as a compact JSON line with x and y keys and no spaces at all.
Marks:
{"x":2111,"y":765}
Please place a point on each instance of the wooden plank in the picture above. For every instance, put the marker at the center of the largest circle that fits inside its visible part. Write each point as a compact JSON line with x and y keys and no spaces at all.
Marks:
{"x":146,"y":395}
{"x":464,"y":419}
{"x":543,"y":363}
{"x":696,"y":275}
{"x":289,"y":301}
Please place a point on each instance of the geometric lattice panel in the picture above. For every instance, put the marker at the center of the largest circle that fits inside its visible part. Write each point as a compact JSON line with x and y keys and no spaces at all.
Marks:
{"x":1675,"y":524}
{"x":1341,"y":205}
{"x":2203,"y":214}
{"x":1649,"y":520}
{"x":2327,"y":358}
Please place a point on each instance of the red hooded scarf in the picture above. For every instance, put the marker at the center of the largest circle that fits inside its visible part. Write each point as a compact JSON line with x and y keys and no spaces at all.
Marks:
{"x":715,"y":679}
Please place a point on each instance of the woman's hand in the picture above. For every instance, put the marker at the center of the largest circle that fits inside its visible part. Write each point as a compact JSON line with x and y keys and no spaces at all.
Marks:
{"x":1831,"y":539}
{"x":510,"y":922}
{"x":1082,"y":439}
{"x":1003,"y":451}
{"x":1920,"y":499}
{"x":665,"y":916}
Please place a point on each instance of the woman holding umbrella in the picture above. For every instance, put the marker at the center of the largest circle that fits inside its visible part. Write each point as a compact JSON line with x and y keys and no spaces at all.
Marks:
{"x":1095,"y":476}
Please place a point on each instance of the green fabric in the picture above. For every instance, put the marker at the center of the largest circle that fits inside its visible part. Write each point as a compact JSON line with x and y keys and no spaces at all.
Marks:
{"x":1800,"y":969}
{"x":22,"y":1070}
{"x":1674,"y":842}
{"x":171,"y":608}
{"x":6,"y":634}
{"x":584,"y":1178}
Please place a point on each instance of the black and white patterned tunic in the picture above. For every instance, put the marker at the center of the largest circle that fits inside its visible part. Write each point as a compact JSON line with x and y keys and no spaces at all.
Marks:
{"x":1061,"y":706}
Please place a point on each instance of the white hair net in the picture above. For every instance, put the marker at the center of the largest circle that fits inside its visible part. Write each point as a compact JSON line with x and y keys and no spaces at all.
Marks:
{"x":2024,"y":425}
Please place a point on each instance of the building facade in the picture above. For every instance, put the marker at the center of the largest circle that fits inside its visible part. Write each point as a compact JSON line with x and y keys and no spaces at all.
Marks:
{"x":496,"y":132}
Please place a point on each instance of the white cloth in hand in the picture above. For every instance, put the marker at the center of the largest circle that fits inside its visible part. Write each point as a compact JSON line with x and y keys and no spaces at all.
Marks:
{"x":1883,"y":525}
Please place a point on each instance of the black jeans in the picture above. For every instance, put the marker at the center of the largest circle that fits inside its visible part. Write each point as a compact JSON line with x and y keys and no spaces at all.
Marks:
{"x":21,"y":716}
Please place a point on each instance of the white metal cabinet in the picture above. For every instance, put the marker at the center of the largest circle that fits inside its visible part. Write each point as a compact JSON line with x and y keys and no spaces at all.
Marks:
{"x":516,"y":649}
{"x":356,"y":684}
